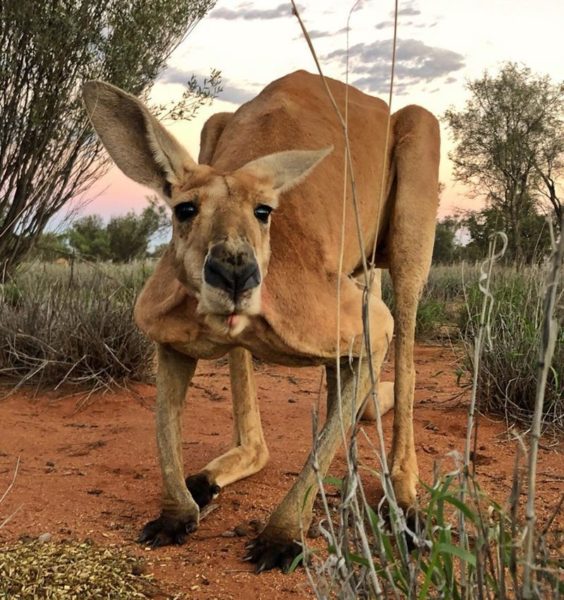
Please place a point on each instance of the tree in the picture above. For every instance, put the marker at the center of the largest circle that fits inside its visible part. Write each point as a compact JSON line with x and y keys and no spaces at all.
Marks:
{"x":88,"y":238}
{"x":510,"y":149}
{"x":48,"y":153}
{"x":50,"y":246}
{"x":481,"y":225}
{"x":123,"y":239}
{"x":129,"y":236}
{"x":446,"y":248}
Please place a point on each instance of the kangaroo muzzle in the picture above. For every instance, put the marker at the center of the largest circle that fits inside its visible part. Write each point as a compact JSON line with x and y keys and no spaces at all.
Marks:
{"x":233,"y":271}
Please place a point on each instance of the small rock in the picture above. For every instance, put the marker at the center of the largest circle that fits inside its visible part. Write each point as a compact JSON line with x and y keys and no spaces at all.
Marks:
{"x":228,"y":534}
{"x":49,"y":463}
{"x":292,"y":400}
{"x":94,"y":492}
{"x":44,"y":538}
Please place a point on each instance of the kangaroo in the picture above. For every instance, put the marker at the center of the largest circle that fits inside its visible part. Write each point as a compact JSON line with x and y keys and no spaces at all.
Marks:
{"x":254,"y":268}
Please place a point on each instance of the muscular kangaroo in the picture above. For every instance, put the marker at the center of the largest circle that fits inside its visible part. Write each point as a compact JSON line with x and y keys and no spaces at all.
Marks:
{"x":253,"y":269}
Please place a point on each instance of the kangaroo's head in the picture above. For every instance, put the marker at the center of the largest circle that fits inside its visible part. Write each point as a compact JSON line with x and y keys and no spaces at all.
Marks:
{"x":221,"y":221}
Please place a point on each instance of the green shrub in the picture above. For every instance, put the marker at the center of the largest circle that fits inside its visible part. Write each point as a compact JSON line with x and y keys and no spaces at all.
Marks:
{"x":431,"y":315}
{"x":372,"y":552}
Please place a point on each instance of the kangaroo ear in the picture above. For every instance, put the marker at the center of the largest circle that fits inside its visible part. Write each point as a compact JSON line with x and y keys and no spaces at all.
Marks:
{"x":286,"y":169}
{"x":139,"y":145}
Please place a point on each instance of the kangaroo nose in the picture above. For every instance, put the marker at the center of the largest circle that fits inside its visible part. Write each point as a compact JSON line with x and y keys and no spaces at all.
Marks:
{"x":232,"y":274}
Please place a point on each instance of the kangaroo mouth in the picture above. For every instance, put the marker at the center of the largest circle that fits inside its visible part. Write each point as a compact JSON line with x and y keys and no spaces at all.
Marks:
{"x":226,"y":315}
{"x":232,"y":320}
{"x":228,"y":325}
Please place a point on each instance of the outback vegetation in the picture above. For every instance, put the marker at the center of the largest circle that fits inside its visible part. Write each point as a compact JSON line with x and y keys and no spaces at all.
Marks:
{"x":509,"y":153}
{"x":121,"y":240}
{"x":106,"y":347}
{"x":70,"y":323}
{"x":48,"y":154}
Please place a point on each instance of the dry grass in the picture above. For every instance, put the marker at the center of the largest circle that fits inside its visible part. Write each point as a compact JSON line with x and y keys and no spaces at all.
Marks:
{"x":59,"y":325}
{"x":70,"y":571}
{"x":464,"y":545}
{"x":508,"y":373}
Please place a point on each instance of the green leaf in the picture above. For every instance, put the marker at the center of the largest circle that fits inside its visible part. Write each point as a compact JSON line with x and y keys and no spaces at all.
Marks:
{"x":330,"y":480}
{"x":457,"y":551}
{"x":298,"y":560}
{"x":465,"y":510}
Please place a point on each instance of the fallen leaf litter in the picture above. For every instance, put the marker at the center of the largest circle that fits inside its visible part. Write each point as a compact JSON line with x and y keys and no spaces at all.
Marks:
{"x":71,"y":571}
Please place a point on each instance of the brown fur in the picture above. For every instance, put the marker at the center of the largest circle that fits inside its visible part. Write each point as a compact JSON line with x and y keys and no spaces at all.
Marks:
{"x":292,"y":316}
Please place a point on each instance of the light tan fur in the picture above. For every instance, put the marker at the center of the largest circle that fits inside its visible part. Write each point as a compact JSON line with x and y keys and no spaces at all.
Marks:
{"x":285,"y":150}
{"x":249,"y":453}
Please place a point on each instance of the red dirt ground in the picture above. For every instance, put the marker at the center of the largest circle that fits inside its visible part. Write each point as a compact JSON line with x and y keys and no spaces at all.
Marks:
{"x":93,"y":473}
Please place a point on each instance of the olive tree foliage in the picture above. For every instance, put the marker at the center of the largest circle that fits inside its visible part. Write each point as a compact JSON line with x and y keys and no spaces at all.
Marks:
{"x":446,"y":248}
{"x":48,"y":153}
{"x":129,"y":235}
{"x":123,"y":239}
{"x":88,"y":239}
{"x":509,"y":149}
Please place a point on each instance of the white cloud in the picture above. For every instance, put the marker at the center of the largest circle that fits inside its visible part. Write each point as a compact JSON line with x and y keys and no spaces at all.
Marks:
{"x":416,"y":62}
{"x":247,"y":12}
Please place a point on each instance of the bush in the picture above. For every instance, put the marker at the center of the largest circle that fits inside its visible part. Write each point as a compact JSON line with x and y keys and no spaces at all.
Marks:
{"x":507,"y":378}
{"x":75,"y":325}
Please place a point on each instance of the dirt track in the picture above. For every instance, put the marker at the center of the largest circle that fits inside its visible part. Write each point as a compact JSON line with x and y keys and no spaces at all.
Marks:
{"x":93,"y":473}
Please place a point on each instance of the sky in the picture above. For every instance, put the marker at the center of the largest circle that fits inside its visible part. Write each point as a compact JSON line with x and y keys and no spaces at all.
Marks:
{"x":441,"y":45}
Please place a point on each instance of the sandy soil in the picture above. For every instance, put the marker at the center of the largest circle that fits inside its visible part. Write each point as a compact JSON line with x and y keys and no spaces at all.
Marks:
{"x":92,"y":473}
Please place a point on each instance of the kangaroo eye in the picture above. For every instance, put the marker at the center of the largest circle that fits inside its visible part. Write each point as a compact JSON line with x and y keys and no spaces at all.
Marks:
{"x":185,"y":211}
{"x":262,"y":212}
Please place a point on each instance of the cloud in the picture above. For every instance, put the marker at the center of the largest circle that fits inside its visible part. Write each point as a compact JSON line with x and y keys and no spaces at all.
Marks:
{"x":416,"y":62}
{"x":231,"y":92}
{"x":178,"y":76}
{"x":245,"y":11}
{"x":316,"y":33}
{"x":408,"y":11}
{"x":236,"y":94}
